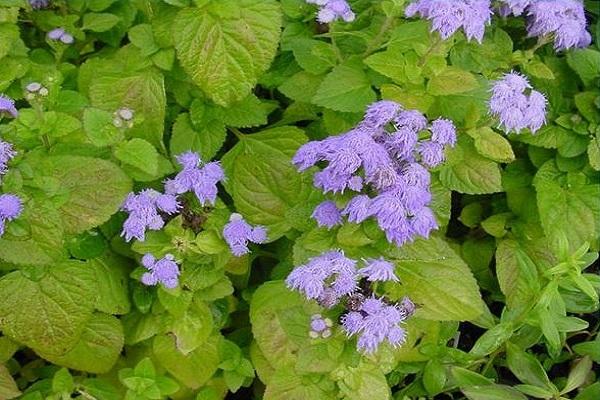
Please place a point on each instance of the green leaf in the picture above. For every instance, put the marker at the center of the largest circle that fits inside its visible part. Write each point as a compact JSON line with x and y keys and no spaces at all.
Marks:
{"x":591,"y":392}
{"x":99,"y":22}
{"x":517,"y":274}
{"x":436,"y":277}
{"x":467,"y":378}
{"x":492,"y":392}
{"x":588,"y":105}
{"x":452,"y":80}
{"x":48,"y":310}
{"x":264,"y":184}
{"x":194,"y":369}
{"x":285,"y":384}
{"x":527,"y":368}
{"x":586,"y":62}
{"x":8,"y":387}
{"x":99,"y":128}
{"x":314,"y":56}
{"x":365,"y":381}
{"x":468,"y":172}
{"x":246,"y":113}
{"x":224,"y":60}
{"x":591,"y":349}
{"x":207,"y":140}
{"x":193,"y":328}
{"x":301,"y":86}
{"x":346,"y":88}
{"x":564,"y":198}
{"x":139,"y":154}
{"x":62,"y":382}
{"x":434,"y":377}
{"x":593,"y":153}
{"x":88,"y":204}
{"x":394,"y":64}
{"x":578,"y":374}
{"x":141,"y":91}
{"x":112,"y":283}
{"x":141,"y":36}
{"x":492,"y":145}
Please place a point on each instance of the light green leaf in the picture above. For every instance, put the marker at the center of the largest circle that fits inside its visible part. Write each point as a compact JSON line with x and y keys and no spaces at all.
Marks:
{"x":139,"y":154}
{"x":246,"y":113}
{"x":492,"y":145}
{"x":366,"y":381}
{"x":88,"y":203}
{"x":206,"y":140}
{"x":452,"y":80}
{"x":264,"y":184}
{"x":285,"y":384}
{"x":8,"y":387}
{"x":586,"y":62}
{"x":48,"y":310}
{"x":593,"y":153}
{"x":493,"y":392}
{"x":301,"y":86}
{"x":436,"y":277}
{"x":527,"y":368}
{"x":468,"y":172}
{"x":141,"y":36}
{"x":314,"y":56}
{"x":578,"y":374}
{"x":112,"y":283}
{"x":346,"y":88}
{"x":194,"y":369}
{"x":221,"y":57}
{"x":517,"y":274}
{"x":193,"y":328}
{"x":99,"y":22}
{"x":98,"y":347}
{"x":99,"y":128}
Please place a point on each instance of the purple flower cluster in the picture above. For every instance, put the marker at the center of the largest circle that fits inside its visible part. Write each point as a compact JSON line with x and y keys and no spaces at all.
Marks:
{"x":196,"y":177}
{"x":375,"y":321}
{"x":564,"y":20}
{"x":237,"y":233}
{"x":10,"y":208}
{"x":59,"y":34}
{"x":332,"y":10}
{"x":7,"y":106}
{"x":39,"y":4}
{"x":388,"y":154}
{"x":164,"y":271}
{"x":320,"y":327}
{"x":331,"y":277}
{"x":144,"y":212}
{"x":516,"y":104}
{"x":7,"y":153}
{"x":448,"y":16}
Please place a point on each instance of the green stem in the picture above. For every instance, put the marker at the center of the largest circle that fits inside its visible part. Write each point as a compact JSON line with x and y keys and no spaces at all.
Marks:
{"x":238,"y":134}
{"x":376,"y":42}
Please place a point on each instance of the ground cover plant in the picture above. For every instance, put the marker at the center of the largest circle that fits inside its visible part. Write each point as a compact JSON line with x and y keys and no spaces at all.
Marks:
{"x":299,"y":199}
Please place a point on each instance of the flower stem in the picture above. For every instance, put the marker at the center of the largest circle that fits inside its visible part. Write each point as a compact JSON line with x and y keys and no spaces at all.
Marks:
{"x":376,"y":42}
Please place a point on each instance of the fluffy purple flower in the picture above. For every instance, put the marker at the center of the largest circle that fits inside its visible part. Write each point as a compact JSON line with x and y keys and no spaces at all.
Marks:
{"x":515,"y":109}
{"x":11,"y":207}
{"x":423,"y":222}
{"x":327,"y":214}
{"x":164,"y":271}
{"x":352,"y":322}
{"x":7,"y":107}
{"x":197,"y":178}
{"x":448,"y":16}
{"x":381,"y":113}
{"x":443,"y":132}
{"x":432,"y":153}
{"x":358,"y":209}
{"x":328,"y":276}
{"x":562,"y":19}
{"x":331,"y":10}
{"x":513,"y":7}
{"x":39,"y":4}
{"x":59,"y":34}
{"x":378,"y":270}
{"x":237,"y":233}
{"x":402,"y":142}
{"x":411,"y":119}
{"x":7,"y":153}
{"x":143,"y":209}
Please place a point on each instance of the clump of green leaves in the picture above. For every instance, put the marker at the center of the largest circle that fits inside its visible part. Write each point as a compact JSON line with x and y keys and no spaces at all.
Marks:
{"x":507,"y":288}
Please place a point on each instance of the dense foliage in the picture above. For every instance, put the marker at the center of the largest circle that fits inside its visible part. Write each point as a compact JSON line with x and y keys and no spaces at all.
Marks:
{"x":134,"y":265}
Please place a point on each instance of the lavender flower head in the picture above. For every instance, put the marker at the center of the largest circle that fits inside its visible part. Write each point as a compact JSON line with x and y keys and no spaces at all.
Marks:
{"x":196,"y":177}
{"x":513,"y":7}
{"x":564,"y":20}
{"x":237,"y":233}
{"x":59,"y":34}
{"x":7,"y":153}
{"x":143,"y":209}
{"x":448,"y":16}
{"x":39,"y":4}
{"x":7,"y":107}
{"x":331,"y":10}
{"x":320,"y":327}
{"x":378,"y":270}
{"x":164,"y":271}
{"x":11,"y":207}
{"x":327,"y":214}
{"x":516,"y":105}
{"x":385,"y":159}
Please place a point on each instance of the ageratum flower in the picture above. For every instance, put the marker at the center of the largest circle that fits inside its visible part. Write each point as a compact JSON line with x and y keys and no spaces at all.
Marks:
{"x":331,"y":10}
{"x":516,"y":105}
{"x":11,"y":207}
{"x":320,"y":327}
{"x":164,"y":271}
{"x":448,"y":16}
{"x":376,"y":322}
{"x":196,"y":177}
{"x":7,"y":107}
{"x":59,"y":34}
{"x":378,"y":270}
{"x":39,"y":4}
{"x":7,"y":153}
{"x":513,"y":7}
{"x":564,"y":20}
{"x":237,"y":233}
{"x":325,"y":278}
{"x":143,"y":209}
{"x":388,"y":155}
